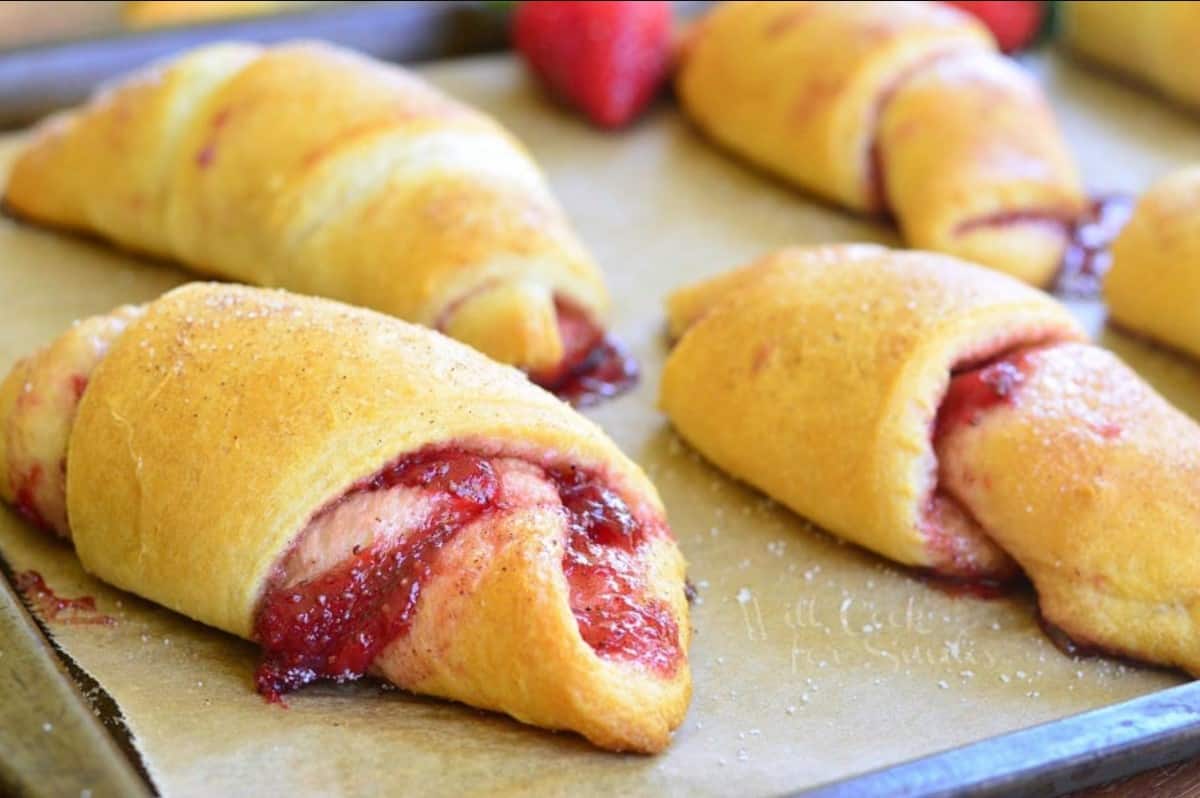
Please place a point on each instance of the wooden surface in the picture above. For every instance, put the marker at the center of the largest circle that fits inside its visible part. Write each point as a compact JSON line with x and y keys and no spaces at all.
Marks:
{"x":1180,"y":780}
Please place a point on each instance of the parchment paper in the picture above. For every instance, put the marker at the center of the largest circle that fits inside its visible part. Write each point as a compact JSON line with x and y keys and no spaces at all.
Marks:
{"x":812,"y":660}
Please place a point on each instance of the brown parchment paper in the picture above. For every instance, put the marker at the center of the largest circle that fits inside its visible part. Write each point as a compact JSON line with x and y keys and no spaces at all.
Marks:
{"x":812,"y":660}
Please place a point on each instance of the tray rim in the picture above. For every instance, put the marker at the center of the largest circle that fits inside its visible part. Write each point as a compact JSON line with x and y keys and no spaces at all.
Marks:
{"x":1064,"y":755}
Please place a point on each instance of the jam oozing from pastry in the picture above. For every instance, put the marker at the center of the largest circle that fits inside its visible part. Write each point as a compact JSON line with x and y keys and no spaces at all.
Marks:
{"x":986,"y":589}
{"x":58,"y":609}
{"x":973,"y":392}
{"x":977,"y":390}
{"x":79,"y":384}
{"x":606,"y":580}
{"x":333,"y":626}
{"x":1058,"y":220}
{"x":1088,"y":239}
{"x":594,"y":366}
{"x":1087,"y":256}
{"x":960,"y":546}
{"x":25,"y":500}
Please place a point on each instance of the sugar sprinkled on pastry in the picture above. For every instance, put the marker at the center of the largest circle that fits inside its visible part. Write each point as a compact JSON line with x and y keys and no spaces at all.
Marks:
{"x":364,"y":496}
{"x":1153,"y":287}
{"x":899,"y":107}
{"x":315,"y":169}
{"x":951,"y":419}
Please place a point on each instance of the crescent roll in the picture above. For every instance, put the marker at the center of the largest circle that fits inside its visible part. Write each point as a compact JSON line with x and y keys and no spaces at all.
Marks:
{"x":893,"y":107}
{"x":363,"y":496}
{"x":314,"y":169}
{"x":1153,"y":42}
{"x":951,"y":419}
{"x":1153,"y":286}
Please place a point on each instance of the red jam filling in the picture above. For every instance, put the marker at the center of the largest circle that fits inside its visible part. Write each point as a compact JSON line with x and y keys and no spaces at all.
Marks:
{"x":1027,"y":216}
{"x":1088,"y":255}
{"x":975,"y":391}
{"x":606,"y":577}
{"x":25,"y":500}
{"x":58,"y":609}
{"x":1089,"y":237}
{"x":79,"y":383}
{"x":594,"y":367}
{"x":335,"y":625}
{"x":958,"y":586}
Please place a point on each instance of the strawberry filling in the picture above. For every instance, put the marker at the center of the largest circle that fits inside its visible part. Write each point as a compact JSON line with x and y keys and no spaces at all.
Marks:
{"x":976,"y":390}
{"x":1088,"y":255}
{"x":594,"y":365}
{"x":334,"y":624}
{"x":960,"y":546}
{"x":26,"y":502}
{"x":603,"y":570}
{"x":1088,"y":238}
{"x":59,"y":609}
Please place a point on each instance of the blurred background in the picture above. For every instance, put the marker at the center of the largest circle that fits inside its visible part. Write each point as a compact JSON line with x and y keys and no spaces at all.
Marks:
{"x":52,"y":54}
{"x":25,"y":23}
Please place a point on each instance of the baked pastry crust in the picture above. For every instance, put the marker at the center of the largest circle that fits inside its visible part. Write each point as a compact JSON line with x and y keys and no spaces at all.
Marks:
{"x":1153,"y":286}
{"x":226,"y":419}
{"x":816,"y":376}
{"x":1089,"y":480}
{"x":1154,"y":42}
{"x":950,"y":418}
{"x":893,"y":106}
{"x":314,"y":169}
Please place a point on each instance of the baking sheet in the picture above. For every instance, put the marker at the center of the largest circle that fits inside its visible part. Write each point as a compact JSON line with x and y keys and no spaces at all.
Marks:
{"x":813,"y":660}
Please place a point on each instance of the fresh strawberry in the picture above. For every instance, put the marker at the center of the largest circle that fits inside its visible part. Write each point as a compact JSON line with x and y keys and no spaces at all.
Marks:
{"x":607,"y":58}
{"x":1014,"y":23}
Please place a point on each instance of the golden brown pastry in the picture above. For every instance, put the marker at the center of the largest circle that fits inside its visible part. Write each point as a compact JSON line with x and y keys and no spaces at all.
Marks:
{"x":891,"y":106}
{"x":314,"y":169}
{"x":360,"y":495}
{"x":156,"y":13}
{"x":1154,"y":42}
{"x":952,"y":419}
{"x":1153,"y":287}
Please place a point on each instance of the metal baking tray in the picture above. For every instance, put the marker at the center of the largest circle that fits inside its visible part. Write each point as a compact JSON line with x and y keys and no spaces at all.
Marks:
{"x":818,"y":666}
